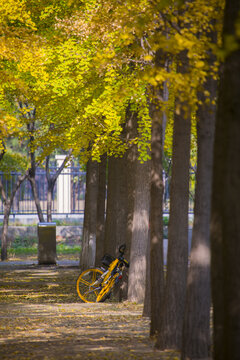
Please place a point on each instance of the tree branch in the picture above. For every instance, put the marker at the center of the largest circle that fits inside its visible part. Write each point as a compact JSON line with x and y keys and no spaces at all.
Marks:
{"x":3,"y":151}
{"x":62,"y":166}
{"x":4,"y":196}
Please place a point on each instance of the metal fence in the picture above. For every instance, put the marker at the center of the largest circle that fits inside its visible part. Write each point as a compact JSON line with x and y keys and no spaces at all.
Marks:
{"x":68,"y":193}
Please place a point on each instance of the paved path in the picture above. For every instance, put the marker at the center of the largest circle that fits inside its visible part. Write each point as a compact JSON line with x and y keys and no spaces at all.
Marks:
{"x":33,"y":263}
{"x":42,"y":318}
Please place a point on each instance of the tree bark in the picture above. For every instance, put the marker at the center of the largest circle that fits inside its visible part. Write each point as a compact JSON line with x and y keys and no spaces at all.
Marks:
{"x":138,"y":251}
{"x":120,"y":198}
{"x":50,"y":182}
{"x":7,"y":210}
{"x":101,"y":200}
{"x":130,"y":132}
{"x":156,"y":221}
{"x":225,"y":224}
{"x":32,"y":181}
{"x":111,"y":211}
{"x":32,"y":171}
{"x":172,"y":311}
{"x":49,"y":200}
{"x":147,"y":297}
{"x":116,"y":216}
{"x":88,"y":252}
{"x":196,"y":330}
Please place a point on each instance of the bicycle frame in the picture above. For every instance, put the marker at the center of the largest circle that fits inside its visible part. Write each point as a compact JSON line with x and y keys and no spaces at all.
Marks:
{"x":113,"y":275}
{"x":102,"y":286}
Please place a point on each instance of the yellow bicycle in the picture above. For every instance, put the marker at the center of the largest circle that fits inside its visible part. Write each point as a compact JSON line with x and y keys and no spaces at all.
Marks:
{"x":96,"y":285}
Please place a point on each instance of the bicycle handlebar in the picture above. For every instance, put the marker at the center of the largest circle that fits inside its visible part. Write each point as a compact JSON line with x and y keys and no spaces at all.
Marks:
{"x":122,"y":249}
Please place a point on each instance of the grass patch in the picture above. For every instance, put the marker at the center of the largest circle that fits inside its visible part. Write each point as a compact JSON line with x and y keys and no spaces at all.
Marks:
{"x":66,"y":249}
{"x":22,"y":251}
{"x":28,"y":247}
{"x":33,"y":250}
{"x":165,"y":220}
{"x":67,"y":222}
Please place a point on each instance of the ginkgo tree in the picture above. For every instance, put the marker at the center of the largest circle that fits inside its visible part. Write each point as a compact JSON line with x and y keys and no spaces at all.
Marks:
{"x":133,"y":25}
{"x":19,"y":36}
{"x":72,"y":96}
{"x":82,"y":53}
{"x":15,"y":28}
{"x":90,"y":60}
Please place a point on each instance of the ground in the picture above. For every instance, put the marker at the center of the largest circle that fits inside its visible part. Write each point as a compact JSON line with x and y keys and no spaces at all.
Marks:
{"x":41,"y":317}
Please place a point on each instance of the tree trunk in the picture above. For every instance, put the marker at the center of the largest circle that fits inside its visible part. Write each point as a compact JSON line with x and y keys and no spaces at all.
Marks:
{"x":32,"y":171}
{"x":7,"y":210}
{"x":159,"y":121}
{"x":116,"y":217}
{"x":138,"y":251}
{"x":147,"y":297}
{"x":120,"y":198}
{"x":32,"y":181}
{"x":50,"y":186}
{"x":156,"y":221}
{"x":225,"y":224}
{"x":49,"y":200}
{"x":88,"y":252}
{"x":170,"y":336}
{"x":101,"y":199}
{"x":111,"y":211}
{"x":130,"y":132}
{"x":196,"y":330}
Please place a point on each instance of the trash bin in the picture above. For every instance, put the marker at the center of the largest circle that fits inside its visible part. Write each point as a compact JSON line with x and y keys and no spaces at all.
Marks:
{"x":47,"y":253}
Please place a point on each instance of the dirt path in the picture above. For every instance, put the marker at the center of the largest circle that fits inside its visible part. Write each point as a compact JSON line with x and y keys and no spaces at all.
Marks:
{"x":41,"y":317}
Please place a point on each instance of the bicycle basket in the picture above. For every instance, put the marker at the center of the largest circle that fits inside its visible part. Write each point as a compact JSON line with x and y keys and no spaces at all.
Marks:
{"x":107,"y":259}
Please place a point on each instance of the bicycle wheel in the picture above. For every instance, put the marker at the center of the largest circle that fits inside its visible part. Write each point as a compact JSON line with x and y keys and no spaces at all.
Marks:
{"x":87,"y":286}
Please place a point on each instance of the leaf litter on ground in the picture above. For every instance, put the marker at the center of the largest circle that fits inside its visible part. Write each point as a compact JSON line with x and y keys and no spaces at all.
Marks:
{"x":41,"y":317}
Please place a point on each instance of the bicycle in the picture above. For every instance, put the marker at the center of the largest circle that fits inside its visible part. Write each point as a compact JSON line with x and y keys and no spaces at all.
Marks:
{"x":96,"y":284}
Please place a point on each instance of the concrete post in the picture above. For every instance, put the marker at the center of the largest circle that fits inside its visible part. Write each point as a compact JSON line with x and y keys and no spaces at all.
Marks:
{"x":63,"y":187}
